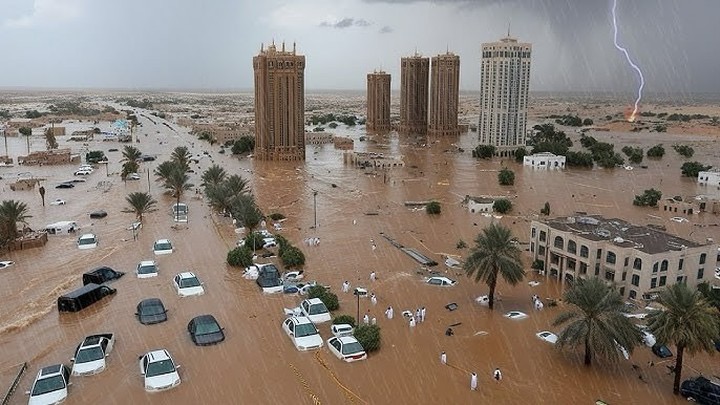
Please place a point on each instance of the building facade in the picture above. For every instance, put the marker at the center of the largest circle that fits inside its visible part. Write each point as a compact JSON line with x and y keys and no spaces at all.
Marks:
{"x":444,"y":94}
{"x":414,"y":71}
{"x":478,"y":204}
{"x":544,"y":160}
{"x":638,"y":260}
{"x":279,"y":104}
{"x":504,"y":86}
{"x":378,"y":102}
{"x":709,"y":178}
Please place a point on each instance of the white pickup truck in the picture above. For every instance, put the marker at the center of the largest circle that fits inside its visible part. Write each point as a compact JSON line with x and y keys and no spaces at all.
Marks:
{"x":90,"y":355}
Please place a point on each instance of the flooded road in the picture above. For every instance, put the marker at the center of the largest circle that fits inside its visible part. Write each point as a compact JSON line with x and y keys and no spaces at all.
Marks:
{"x":257,"y":363}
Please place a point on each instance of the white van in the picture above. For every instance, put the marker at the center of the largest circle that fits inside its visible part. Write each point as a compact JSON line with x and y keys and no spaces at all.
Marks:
{"x":180,"y":212}
{"x":62,"y":228}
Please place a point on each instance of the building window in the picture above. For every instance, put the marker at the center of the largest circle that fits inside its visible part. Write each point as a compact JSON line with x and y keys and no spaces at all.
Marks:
{"x":532,"y":232}
{"x":664,"y":265}
{"x":655,"y":268}
{"x":632,"y":294}
{"x":571,"y":264}
{"x":610,"y":258}
{"x":583,"y":268}
{"x":572,"y":247}
{"x":609,"y":275}
{"x":635,"y":280}
{"x":543,"y":235}
{"x":624,"y":275}
{"x":653,"y":282}
{"x":599,"y":254}
{"x":541,"y":250}
{"x":622,"y":291}
{"x":584,"y":251}
{"x":680,"y":264}
{"x":680,"y":279}
{"x":663,"y":280}
{"x":637,"y":264}
{"x":627,"y":260}
{"x":701,"y":273}
{"x":597,"y":269}
{"x":702,"y":258}
{"x":559,"y":242}
{"x":532,"y":246}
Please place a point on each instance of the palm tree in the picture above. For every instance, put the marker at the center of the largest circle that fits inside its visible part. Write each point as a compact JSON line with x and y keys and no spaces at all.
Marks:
{"x":131,"y":154}
{"x":245,"y":211}
{"x":181,"y":156}
{"x":129,"y":167}
{"x":140,"y":203}
{"x":688,"y":321}
{"x":495,"y":253}
{"x":177,"y":183}
{"x":236,"y":185}
{"x":164,"y":169}
{"x":11,"y":212}
{"x":213,"y":175}
{"x":596,"y":321}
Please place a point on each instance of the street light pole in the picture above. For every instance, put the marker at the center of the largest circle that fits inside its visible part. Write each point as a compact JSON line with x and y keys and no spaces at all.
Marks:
{"x":315,"y":206}
{"x":357,"y":294}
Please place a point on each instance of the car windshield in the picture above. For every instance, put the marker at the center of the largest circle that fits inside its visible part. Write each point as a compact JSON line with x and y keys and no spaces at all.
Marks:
{"x":206,"y":327}
{"x":86,"y":241}
{"x":46,"y":385}
{"x":90,"y":354}
{"x":159,"y":368}
{"x":305,"y":329}
{"x":181,"y":209}
{"x":352,"y":347}
{"x":189,"y":282}
{"x":317,"y":309}
{"x":147,"y":269}
{"x":153,"y":309}
{"x":163,"y":246}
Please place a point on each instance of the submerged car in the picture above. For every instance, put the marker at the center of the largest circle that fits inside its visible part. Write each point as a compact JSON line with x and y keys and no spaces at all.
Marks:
{"x":98,"y":214}
{"x":162,"y":247}
{"x":159,"y":371}
{"x":303,"y":333}
{"x":6,"y":263}
{"x":701,"y":390}
{"x":516,"y":315}
{"x":100,"y":275}
{"x":547,"y":336}
{"x":90,"y":355}
{"x":50,"y":385}
{"x":87,"y":241}
{"x":146,"y":269}
{"x":662,"y":351}
{"x":57,"y":201}
{"x":187,"y":284}
{"x":65,"y":185}
{"x":441,"y":281}
{"x":269,"y":278}
{"x":205,"y":330}
{"x":150,"y":311}
{"x":346,"y":348}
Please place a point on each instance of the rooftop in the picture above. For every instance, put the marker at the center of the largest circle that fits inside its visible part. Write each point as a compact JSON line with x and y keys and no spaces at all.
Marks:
{"x":621,"y":233}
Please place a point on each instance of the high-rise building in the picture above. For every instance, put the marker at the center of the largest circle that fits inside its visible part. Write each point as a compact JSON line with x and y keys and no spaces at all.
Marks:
{"x":444,"y":94}
{"x":414,"y":72}
{"x":504,"y":84}
{"x":378,"y":102}
{"x":279,"y":104}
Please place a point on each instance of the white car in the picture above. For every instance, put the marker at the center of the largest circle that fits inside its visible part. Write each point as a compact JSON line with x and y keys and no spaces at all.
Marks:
{"x":87,"y":241}
{"x":58,"y":201}
{"x":679,"y":220}
{"x":315,"y":310}
{"x":303,"y":333}
{"x":50,"y":386}
{"x":187,"y":284}
{"x":159,"y":371}
{"x":647,"y":337}
{"x":162,"y":247}
{"x":133,"y":176}
{"x":342,"y":329}
{"x":547,"y":336}
{"x":346,"y":348}
{"x":147,"y":269}
{"x":516,"y":315}
{"x":441,"y":281}
{"x":292,"y":276}
{"x":83,"y":172}
{"x":6,"y":263}
{"x":91,"y":353}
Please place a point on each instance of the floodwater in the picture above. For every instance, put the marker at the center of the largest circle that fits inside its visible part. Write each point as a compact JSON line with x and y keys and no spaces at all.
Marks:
{"x":257,"y":364}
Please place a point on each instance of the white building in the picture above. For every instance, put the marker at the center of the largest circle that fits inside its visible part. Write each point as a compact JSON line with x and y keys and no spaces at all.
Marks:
{"x":709,"y":178}
{"x":544,"y":160}
{"x":478,"y":204}
{"x":504,"y":85}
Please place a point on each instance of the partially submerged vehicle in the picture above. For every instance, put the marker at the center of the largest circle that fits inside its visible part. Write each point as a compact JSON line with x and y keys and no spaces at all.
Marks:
{"x":90,"y":355}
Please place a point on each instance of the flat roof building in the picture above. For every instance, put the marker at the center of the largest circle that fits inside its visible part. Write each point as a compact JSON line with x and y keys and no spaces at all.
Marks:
{"x":414,"y":72}
{"x":444,"y":94}
{"x":378,"y":102}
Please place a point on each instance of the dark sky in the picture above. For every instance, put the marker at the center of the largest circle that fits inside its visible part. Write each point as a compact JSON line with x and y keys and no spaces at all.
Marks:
{"x":209,"y":45}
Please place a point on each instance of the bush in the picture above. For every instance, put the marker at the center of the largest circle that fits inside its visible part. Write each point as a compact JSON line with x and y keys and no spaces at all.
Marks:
{"x":579,"y":159}
{"x":243,"y":145}
{"x":347,"y":319}
{"x":656,"y":151}
{"x":649,"y":198}
{"x":684,"y":150}
{"x":635,"y":155}
{"x":461,"y":244}
{"x":329,"y":299}
{"x":506,"y":177}
{"x":545,"y":209}
{"x":538,"y":265}
{"x":502,"y":205}
{"x":369,"y":337}
{"x":520,"y":154}
{"x":276,"y":216}
{"x":240,"y":257}
{"x":587,"y":122}
{"x":95,"y":156}
{"x":483,"y":151}
{"x":292,"y":257}
{"x":433,"y":208}
{"x":692,"y":169}
{"x":255,"y":241}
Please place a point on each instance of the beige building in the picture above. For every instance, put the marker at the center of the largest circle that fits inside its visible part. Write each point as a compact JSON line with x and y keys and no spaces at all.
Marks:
{"x":444,"y":95}
{"x":504,"y":86}
{"x":378,"y":102}
{"x":636,"y":259}
{"x":414,"y":72}
{"x":279,"y":104}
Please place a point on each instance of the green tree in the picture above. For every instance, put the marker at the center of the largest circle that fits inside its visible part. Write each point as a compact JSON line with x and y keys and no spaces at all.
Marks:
{"x":712,"y":295}
{"x":545,"y":209}
{"x":50,"y":141}
{"x":494,"y":254}
{"x":433,"y":208}
{"x":254,"y":241}
{"x":520,"y":154}
{"x":244,"y":144}
{"x":369,"y":337}
{"x":579,"y":159}
{"x":213,"y":175}
{"x":129,"y":167}
{"x":95,"y":156}
{"x":328,"y":298}
{"x":684,"y":150}
{"x":131,"y":154}
{"x":649,"y":198}
{"x":506,"y":177}
{"x":596,"y":321}
{"x":164,"y":169}
{"x":246,"y":212}
{"x":241,"y":256}
{"x":656,"y":151}
{"x":587,"y":122}
{"x":688,"y":321}
{"x":483,"y":151}
{"x":692,"y":169}
{"x":140,"y":204}
{"x":292,"y":257}
{"x":224,"y":195}
{"x":26,"y":132}
{"x":344,"y":319}
{"x":502,"y":205}
{"x":174,"y":179}
{"x":635,"y":155}
{"x":11,"y":212}
{"x":181,"y":157}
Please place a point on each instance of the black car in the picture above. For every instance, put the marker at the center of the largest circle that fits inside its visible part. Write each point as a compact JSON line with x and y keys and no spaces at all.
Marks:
{"x":151,"y":311}
{"x":205,"y":330}
{"x":147,"y":158}
{"x":98,"y":214}
{"x":65,"y":185}
{"x":701,"y":390}
{"x":662,"y":351}
{"x":100,"y":275}
{"x":83,"y":297}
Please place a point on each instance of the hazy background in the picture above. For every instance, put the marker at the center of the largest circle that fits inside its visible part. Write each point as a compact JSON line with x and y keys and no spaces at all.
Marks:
{"x":189,"y":44}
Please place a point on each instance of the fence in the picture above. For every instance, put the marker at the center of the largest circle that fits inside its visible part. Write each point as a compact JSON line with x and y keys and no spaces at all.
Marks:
{"x":14,"y":385}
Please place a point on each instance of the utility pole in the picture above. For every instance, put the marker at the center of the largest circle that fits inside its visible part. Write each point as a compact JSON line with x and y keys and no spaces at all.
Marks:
{"x":315,"y":207}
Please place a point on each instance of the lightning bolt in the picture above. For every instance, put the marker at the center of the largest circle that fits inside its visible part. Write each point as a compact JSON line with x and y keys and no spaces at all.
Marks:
{"x":627,"y":56}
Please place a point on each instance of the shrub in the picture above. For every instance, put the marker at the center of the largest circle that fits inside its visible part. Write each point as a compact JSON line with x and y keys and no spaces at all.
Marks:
{"x":520,"y":154}
{"x":656,"y":151}
{"x":292,"y":257}
{"x":587,"y":122}
{"x":484,"y":151}
{"x":244,"y":144}
{"x":433,"y":208}
{"x":538,"y":265}
{"x":635,"y":155}
{"x":329,"y":299}
{"x":545,"y":209}
{"x":506,"y":177}
{"x":579,"y":159}
{"x":254,"y":241}
{"x":276,"y":216}
{"x":684,"y":150}
{"x":369,"y":337}
{"x":240,"y":257}
{"x":648,"y":198}
{"x":502,"y":205}
{"x":461,"y":244}
{"x":692,"y":169}
{"x":348,"y":319}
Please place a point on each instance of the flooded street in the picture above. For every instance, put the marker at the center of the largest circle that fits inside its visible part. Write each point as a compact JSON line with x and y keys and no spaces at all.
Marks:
{"x":257,"y":364}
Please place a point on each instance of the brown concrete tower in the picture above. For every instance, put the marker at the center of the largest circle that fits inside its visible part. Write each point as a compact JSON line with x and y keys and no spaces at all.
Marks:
{"x":414,"y":72}
{"x":279,"y":104}
{"x":444,"y":95}
{"x":378,"y":102}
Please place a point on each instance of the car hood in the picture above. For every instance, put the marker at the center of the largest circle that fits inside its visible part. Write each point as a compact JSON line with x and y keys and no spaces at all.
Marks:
{"x":266,"y":282}
{"x":209,"y":338}
{"x":309,"y":342}
{"x":164,"y":381}
{"x":150,"y":319}
{"x":90,"y":367}
{"x":49,"y":398}
{"x":146,"y":275}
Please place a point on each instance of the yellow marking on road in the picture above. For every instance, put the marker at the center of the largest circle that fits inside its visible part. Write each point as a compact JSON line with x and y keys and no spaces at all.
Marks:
{"x":316,"y":400}
{"x":349,"y":394}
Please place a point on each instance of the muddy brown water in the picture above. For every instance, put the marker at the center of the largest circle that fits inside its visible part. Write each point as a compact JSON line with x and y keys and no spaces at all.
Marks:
{"x":257,"y":364}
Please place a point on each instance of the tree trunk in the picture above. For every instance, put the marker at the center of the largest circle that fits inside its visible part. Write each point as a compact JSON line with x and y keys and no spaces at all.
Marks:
{"x":177,"y":208}
{"x":678,"y":369}
{"x":588,"y":353}
{"x":491,"y":294}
